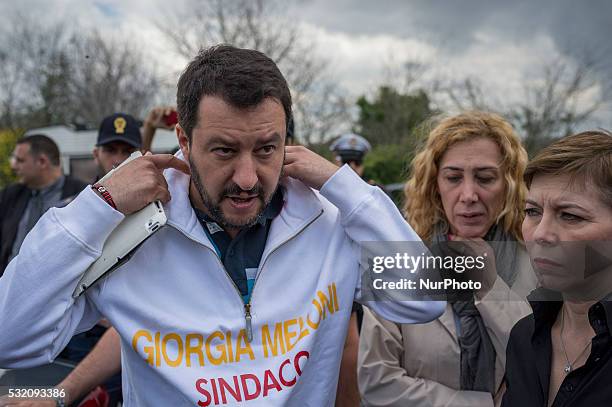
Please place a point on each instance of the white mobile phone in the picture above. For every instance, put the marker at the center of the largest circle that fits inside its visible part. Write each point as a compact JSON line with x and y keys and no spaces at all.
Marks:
{"x":123,"y":241}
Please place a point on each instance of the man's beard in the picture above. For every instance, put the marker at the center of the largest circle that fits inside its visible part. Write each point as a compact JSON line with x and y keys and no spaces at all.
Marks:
{"x":214,"y":208}
{"x":101,"y":172}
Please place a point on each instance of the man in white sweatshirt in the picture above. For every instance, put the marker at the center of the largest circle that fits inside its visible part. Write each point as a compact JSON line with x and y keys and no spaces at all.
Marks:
{"x":246,"y":294}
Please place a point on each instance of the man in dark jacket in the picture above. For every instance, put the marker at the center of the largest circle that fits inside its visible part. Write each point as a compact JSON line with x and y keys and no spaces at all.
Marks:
{"x":36,"y":161}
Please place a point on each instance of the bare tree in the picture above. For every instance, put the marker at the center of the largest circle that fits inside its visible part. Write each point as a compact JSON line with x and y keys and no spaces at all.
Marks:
{"x":553,"y":105}
{"x":26,"y":59}
{"x":109,"y":76}
{"x":323,"y":117}
{"x":408,"y":76}
{"x":52,"y":75}
{"x":467,"y":94}
{"x":556,"y":105}
{"x":319,"y":105}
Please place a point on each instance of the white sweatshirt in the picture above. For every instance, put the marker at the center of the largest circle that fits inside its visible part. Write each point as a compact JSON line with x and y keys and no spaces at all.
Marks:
{"x":183,"y":324}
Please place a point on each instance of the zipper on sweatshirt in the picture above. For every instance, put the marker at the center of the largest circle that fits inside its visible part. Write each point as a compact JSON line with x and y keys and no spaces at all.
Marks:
{"x":248,"y":319}
{"x":247,"y":306}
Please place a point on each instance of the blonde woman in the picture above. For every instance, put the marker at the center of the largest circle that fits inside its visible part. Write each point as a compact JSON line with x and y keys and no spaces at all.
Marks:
{"x":466,"y":185}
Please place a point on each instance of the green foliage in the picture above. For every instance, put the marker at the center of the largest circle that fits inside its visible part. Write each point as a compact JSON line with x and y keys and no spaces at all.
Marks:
{"x":392,"y":116}
{"x":387,"y":164}
{"x":7,"y":145}
{"x":393,"y":123}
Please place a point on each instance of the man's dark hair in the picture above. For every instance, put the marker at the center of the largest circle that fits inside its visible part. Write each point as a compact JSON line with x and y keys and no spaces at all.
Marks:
{"x":290,"y":131}
{"x":41,"y":144}
{"x":243,"y":78}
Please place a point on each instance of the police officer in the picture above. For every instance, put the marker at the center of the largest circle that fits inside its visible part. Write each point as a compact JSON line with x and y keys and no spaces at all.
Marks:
{"x":351,"y":149}
{"x":118,"y":137}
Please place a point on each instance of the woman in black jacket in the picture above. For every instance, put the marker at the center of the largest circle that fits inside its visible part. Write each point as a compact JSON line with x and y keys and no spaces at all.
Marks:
{"x":561,"y":355}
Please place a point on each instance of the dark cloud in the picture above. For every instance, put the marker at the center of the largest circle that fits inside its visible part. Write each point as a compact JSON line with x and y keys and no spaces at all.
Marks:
{"x":579,"y":30}
{"x":575,"y":27}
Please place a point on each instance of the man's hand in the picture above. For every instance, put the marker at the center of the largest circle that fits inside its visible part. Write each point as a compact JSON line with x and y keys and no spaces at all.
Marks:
{"x":307,"y":166}
{"x":155,"y":118}
{"x":140,"y":182}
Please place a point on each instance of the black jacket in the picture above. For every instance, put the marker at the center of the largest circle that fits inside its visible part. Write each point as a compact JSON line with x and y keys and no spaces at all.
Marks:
{"x":13,"y":202}
{"x":529,"y":356}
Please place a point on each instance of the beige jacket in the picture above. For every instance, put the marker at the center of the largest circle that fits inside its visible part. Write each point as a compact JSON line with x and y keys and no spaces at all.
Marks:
{"x":419,"y":365}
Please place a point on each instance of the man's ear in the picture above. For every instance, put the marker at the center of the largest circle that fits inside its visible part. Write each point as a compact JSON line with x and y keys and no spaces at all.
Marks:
{"x":96,"y":155}
{"x":43,"y":161}
{"x":183,"y":141}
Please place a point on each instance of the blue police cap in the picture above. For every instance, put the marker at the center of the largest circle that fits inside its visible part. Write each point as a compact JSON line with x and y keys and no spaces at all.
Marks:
{"x":119,"y":127}
{"x":350,"y":146}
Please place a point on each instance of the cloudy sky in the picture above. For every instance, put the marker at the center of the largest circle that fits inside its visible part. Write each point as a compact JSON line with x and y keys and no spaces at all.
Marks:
{"x":501,"y":43}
